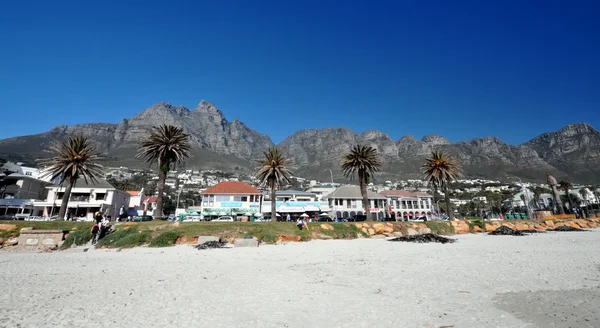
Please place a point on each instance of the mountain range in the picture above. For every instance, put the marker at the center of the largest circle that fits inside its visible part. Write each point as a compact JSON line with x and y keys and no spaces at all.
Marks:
{"x":572,"y":152}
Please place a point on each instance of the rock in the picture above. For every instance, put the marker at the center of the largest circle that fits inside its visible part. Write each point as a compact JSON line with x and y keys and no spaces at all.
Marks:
{"x":371,"y":232}
{"x":462,"y":228}
{"x":327,"y":226}
{"x":289,"y":238}
{"x":489,"y":227}
{"x":549,"y":224}
{"x":389,"y":224}
{"x":592,"y":224}
{"x":410,"y":232}
{"x":8,"y":227}
{"x":424,"y":231}
{"x":365,"y":230}
{"x":358,"y":225}
{"x":397,"y":234}
{"x":185,"y":240}
{"x":572,"y":225}
{"x":366,"y":225}
{"x":379,"y":228}
{"x":204,"y":239}
{"x":324,"y":236}
{"x":1,"y":241}
{"x":26,"y":229}
{"x":539,"y":227}
{"x":246,"y":242}
{"x":388,"y":229}
{"x":378,"y":237}
{"x":477,"y":229}
{"x":521,"y":226}
{"x":11,"y":242}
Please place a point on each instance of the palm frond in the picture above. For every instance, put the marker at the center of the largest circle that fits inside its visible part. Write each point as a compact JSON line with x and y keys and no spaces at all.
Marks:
{"x":273,"y":169}
{"x":165,"y":146}
{"x":440,"y":169}
{"x":362,"y":159}
{"x":72,"y":160}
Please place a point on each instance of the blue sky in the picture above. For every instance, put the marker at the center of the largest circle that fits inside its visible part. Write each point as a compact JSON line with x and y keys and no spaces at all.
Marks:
{"x":461,"y":69}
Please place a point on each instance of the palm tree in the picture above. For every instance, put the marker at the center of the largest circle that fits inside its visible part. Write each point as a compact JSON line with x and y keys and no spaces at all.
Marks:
{"x":567,"y":186}
{"x":71,"y":160}
{"x":167,"y":145}
{"x":552,"y":183}
{"x":273,"y":171}
{"x":441,"y":170}
{"x":363,"y":161}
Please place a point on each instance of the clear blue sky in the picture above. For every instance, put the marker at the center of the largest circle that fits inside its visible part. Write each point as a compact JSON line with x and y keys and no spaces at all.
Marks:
{"x":461,"y":69}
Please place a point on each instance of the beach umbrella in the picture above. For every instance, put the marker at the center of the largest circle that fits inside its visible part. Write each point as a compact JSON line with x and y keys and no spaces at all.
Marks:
{"x":324,"y":214}
{"x":304,"y":215}
{"x":278,"y":214}
{"x":222,"y":213}
{"x":249,"y":214}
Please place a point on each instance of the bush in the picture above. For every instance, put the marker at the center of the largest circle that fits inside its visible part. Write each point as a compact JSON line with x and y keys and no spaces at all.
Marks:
{"x":79,"y":237}
{"x":165,"y":239}
{"x":440,"y":228}
{"x":125,"y":238}
{"x":342,"y":231}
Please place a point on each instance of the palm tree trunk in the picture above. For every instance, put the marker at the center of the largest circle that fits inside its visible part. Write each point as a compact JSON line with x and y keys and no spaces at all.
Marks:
{"x":273,"y":204}
{"x":162,"y":177}
{"x":447,"y":199}
{"x":364,"y":194}
{"x":65,"y":201}
{"x":571,"y":205}
{"x":434,"y":192}
{"x":559,"y":205}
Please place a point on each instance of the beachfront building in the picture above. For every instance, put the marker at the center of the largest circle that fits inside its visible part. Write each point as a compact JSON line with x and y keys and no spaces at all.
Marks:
{"x":322,"y":190}
{"x":292,"y":204}
{"x":346,"y":202}
{"x":18,"y":192}
{"x":231,"y":198}
{"x":404,"y":205}
{"x":86,"y":199}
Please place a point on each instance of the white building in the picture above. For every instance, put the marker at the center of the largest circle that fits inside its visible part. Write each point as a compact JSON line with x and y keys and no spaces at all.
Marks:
{"x":404,"y":205}
{"x":322,"y":190}
{"x":18,"y":192}
{"x":231,"y":198}
{"x":86,"y":198}
{"x":346,"y":201}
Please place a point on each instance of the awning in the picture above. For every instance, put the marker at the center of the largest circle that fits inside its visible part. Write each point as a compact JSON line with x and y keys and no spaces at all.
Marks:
{"x":285,"y":209}
{"x":311,"y":208}
{"x":325,"y":208}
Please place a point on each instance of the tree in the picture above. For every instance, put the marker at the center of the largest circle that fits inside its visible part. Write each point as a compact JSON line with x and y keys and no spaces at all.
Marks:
{"x":441,"y":170}
{"x":273,"y":171}
{"x":364,"y":162}
{"x":567,"y":186}
{"x":72,"y":160}
{"x":167,"y":145}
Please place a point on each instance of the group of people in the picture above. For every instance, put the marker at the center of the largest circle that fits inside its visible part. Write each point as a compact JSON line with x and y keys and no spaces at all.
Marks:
{"x":101,"y":227}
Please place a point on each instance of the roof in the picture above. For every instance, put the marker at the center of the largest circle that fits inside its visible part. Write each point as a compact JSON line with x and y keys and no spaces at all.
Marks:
{"x":134,"y":192}
{"x":353,"y":192}
{"x":404,"y":193}
{"x":150,"y":199}
{"x":230,"y":188}
{"x":294,"y":192}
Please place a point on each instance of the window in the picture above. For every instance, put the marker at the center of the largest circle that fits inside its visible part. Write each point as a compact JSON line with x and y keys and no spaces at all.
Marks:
{"x":100,"y":196}
{"x":222,"y":198}
{"x":211,"y":200}
{"x":28,"y":173}
{"x":404,"y":205}
{"x":339,"y":202}
{"x":60,"y":195}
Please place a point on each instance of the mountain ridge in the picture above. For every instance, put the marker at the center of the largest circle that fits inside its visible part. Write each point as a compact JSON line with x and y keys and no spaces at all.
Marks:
{"x":572,"y":152}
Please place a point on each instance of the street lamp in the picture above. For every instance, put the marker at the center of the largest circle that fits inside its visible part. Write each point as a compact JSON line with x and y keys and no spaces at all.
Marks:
{"x":331,"y":174}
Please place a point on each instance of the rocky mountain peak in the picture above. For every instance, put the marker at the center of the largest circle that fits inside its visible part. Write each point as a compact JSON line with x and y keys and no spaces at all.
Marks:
{"x":206,"y":107}
{"x":434,"y":139}
{"x":576,"y":128}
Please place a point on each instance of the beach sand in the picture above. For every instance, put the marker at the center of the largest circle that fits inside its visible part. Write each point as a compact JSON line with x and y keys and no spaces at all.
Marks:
{"x":542,"y":280}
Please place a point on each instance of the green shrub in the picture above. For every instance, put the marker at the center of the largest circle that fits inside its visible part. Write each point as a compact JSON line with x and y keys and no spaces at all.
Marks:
{"x":78,"y":237}
{"x":165,"y":239}
{"x":125,"y":238}
{"x":267,"y":237}
{"x":342,"y":231}
{"x":440,"y":228}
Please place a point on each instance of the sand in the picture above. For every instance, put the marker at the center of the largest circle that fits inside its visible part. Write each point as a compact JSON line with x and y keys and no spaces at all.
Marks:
{"x":543,"y":280}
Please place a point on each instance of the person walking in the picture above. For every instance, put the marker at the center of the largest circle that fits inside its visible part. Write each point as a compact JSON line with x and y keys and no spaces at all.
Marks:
{"x":95,"y":233}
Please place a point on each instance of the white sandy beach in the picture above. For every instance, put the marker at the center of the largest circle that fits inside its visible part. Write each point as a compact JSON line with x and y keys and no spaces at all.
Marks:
{"x":545,"y":280}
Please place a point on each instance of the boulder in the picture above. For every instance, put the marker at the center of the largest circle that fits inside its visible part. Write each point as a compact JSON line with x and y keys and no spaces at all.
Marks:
{"x":573,"y":224}
{"x":11,"y":242}
{"x":521,"y":226}
{"x":204,"y":239}
{"x":388,"y":229}
{"x":539,"y":227}
{"x":410,"y":232}
{"x":462,"y":228}
{"x":549,"y":224}
{"x":8,"y":227}
{"x":371,"y":231}
{"x":365,"y":230}
{"x":379,"y":228}
{"x":477,"y":229}
{"x":592,"y":224}
{"x":389,"y":224}
{"x":424,"y":231}
{"x":582,"y":223}
{"x":289,"y":238}
{"x":397,"y":234}
{"x":358,"y":225}
{"x":322,"y":236}
{"x":489,"y":227}
{"x":246,"y":242}
{"x":327,"y":226}
{"x":26,"y":229}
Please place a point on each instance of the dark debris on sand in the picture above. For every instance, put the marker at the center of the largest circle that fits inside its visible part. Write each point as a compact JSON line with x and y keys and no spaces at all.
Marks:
{"x":426,"y":238}
{"x":531,"y":231}
{"x":566,"y":228}
{"x":211,"y":244}
{"x":506,"y":231}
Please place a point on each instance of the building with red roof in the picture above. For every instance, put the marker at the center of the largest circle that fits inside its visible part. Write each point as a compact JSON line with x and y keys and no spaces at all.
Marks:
{"x":231,"y":198}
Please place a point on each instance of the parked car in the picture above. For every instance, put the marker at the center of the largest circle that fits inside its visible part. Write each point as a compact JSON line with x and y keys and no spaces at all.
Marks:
{"x":263,"y":220}
{"x":141,"y":218}
{"x":224,"y":219}
{"x":8,"y":217}
{"x":387,"y":219}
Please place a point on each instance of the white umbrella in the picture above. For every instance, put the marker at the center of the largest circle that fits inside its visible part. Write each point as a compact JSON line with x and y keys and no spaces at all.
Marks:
{"x":324,"y":214}
{"x":277,"y":214}
{"x":249,"y":214}
{"x":304,"y":215}
{"x":222,"y":213}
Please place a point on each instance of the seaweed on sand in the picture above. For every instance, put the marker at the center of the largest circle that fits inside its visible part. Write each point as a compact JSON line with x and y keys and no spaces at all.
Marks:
{"x":425,"y":238}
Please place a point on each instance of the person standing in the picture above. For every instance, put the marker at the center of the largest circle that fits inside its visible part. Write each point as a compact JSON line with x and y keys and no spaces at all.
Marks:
{"x":121,"y":213}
